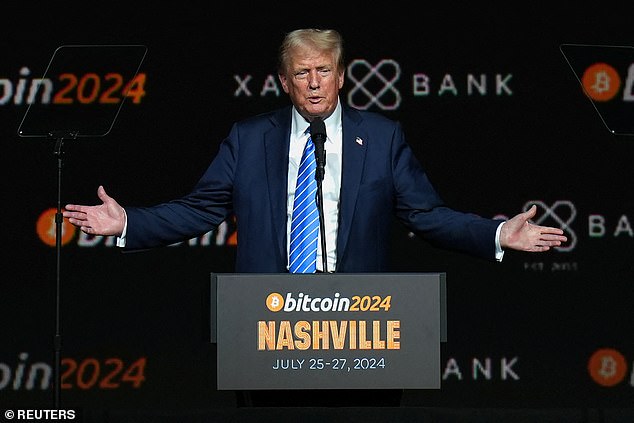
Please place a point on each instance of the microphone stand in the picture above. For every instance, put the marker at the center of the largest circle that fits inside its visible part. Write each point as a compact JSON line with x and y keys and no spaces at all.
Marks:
{"x":318,"y":134}
{"x":320,"y":208}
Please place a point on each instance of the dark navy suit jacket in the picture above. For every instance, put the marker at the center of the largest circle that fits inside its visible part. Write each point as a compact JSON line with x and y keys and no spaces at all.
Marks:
{"x":380,"y":178}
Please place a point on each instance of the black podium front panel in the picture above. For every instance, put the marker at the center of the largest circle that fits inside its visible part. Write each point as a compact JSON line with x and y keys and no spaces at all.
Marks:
{"x":328,"y":331}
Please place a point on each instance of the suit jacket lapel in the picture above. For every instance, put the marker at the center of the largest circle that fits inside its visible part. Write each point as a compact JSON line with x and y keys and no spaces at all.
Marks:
{"x":276,"y":145}
{"x":353,"y":158}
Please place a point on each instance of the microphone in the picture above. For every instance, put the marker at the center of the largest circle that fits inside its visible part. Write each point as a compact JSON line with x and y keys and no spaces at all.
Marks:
{"x":318,"y":135}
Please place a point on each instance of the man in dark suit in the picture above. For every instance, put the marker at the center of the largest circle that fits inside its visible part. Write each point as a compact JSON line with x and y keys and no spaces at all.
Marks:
{"x":370,"y":174}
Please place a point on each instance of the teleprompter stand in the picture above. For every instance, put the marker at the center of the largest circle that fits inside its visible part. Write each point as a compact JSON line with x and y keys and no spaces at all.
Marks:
{"x":80,"y":95}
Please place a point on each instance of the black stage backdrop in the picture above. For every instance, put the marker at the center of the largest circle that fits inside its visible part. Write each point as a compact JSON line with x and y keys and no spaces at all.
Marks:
{"x":487,"y":101}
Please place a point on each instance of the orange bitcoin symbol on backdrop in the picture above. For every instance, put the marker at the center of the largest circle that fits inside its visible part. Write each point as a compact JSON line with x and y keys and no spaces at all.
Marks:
{"x":601,"y":82}
{"x":46,"y":229}
{"x":607,"y":367}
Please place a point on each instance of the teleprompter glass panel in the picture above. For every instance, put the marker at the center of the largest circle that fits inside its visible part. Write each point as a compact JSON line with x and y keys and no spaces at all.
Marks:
{"x":606,"y":75}
{"x":82,"y":90}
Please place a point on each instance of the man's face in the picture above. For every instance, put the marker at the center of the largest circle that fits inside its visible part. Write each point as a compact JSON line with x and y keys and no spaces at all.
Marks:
{"x":312,"y":81}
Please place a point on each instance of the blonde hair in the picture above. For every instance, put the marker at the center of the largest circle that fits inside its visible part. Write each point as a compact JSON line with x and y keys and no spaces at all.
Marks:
{"x":321,"y":39}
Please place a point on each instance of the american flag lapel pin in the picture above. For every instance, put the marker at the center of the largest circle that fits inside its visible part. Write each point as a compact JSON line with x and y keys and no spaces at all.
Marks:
{"x":359,"y":141}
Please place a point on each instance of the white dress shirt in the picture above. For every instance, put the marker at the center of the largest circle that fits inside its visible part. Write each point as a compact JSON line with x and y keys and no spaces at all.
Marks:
{"x":331,"y":184}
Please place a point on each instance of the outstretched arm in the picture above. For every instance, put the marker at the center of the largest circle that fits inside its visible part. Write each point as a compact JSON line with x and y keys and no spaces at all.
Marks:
{"x":518,"y":233}
{"x":107,"y":218}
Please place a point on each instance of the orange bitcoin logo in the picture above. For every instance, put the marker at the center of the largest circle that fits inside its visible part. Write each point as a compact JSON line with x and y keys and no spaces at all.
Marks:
{"x":607,"y":367}
{"x":274,"y":301}
{"x":601,"y":82}
{"x":46,"y":228}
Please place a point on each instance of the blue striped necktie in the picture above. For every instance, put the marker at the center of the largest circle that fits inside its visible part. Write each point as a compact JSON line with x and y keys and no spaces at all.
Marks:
{"x":305,"y":220}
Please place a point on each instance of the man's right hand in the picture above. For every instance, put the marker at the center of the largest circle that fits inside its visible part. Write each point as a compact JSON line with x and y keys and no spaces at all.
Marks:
{"x":107,"y":218}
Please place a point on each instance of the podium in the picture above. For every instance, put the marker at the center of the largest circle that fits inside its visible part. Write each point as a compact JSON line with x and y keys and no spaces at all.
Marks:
{"x":328,"y":331}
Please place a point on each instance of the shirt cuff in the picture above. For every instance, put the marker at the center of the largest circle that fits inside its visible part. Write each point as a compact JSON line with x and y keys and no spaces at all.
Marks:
{"x":499,"y":252}
{"x":121,"y":239}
